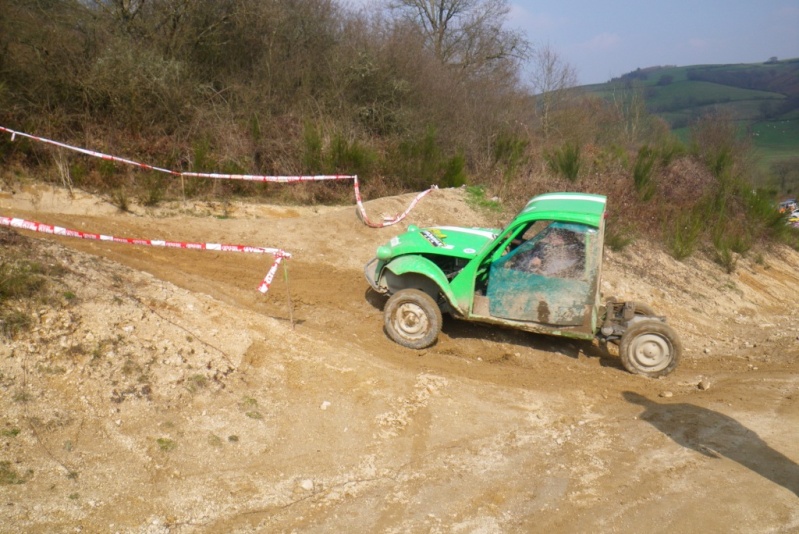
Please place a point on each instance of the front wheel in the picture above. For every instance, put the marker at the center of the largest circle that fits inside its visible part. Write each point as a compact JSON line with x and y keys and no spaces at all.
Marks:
{"x":412,"y":319}
{"x":650,"y":348}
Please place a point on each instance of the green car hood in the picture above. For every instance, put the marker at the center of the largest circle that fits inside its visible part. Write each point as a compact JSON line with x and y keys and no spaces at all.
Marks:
{"x":441,"y":240}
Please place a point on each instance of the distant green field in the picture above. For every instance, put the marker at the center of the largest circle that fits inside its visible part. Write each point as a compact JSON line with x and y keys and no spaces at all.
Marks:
{"x":778,"y":134}
{"x":745,"y":112}
{"x":761,"y":97}
{"x":689,"y":94}
{"x":776,"y":140}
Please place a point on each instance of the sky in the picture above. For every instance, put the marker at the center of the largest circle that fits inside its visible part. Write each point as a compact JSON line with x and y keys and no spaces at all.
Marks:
{"x":603,"y":40}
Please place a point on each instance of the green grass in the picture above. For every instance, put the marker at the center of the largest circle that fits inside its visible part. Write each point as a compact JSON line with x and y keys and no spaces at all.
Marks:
{"x":476,"y":197}
{"x":775,"y":141}
{"x":777,"y":135}
{"x":692,"y":94}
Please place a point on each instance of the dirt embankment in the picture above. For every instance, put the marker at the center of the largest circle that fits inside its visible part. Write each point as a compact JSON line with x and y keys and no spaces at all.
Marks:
{"x":163,"y":393}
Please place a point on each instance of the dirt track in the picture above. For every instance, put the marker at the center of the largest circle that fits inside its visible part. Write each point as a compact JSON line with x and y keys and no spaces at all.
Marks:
{"x":171,"y":396}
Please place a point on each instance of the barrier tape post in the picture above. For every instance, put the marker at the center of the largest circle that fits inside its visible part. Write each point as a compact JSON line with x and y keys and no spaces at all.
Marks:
{"x":288,"y":294}
{"x":183,"y":189}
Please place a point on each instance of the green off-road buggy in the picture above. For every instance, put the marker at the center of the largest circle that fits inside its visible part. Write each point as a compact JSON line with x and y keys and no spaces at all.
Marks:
{"x":541,"y":273}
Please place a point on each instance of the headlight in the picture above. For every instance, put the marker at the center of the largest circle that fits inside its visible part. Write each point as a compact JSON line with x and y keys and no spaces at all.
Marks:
{"x":383,"y":252}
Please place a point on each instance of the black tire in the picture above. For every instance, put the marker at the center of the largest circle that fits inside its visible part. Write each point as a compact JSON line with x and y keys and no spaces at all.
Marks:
{"x":650,"y":348}
{"x":412,"y":319}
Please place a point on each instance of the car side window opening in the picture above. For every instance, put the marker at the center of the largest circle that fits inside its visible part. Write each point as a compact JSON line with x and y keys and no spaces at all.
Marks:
{"x":557,"y":251}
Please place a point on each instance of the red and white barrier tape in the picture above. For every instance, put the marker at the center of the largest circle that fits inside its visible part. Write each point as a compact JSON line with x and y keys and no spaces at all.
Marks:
{"x":387,"y":221}
{"x":58,"y":230}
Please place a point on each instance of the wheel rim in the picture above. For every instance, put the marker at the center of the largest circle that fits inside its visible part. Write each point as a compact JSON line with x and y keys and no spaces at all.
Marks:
{"x":410,"y":321}
{"x":651,"y":352}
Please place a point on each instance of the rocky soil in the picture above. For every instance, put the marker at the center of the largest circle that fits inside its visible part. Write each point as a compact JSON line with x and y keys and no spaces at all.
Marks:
{"x":157,"y":391}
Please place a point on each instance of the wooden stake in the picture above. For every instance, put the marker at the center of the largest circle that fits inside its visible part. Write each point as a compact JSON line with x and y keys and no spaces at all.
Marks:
{"x":288,"y":293}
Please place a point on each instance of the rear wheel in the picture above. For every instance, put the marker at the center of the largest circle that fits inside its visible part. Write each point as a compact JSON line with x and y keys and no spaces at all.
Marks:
{"x":412,"y":319}
{"x":650,"y":348}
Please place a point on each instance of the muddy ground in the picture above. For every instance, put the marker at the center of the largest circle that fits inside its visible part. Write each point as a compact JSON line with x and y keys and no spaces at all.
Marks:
{"x":164,"y":394}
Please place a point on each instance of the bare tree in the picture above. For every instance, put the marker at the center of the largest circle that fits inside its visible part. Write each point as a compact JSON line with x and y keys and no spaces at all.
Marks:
{"x":466,"y":33}
{"x":629,"y":102}
{"x":124,"y":11}
{"x":552,"y":80}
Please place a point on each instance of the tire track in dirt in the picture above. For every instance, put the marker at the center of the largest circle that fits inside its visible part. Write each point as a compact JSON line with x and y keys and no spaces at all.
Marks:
{"x":338,"y":429}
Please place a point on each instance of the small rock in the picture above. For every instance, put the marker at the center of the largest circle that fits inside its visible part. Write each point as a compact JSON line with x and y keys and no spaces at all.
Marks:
{"x":707,"y":350}
{"x":667,"y":394}
{"x":307,"y":484}
{"x":704,"y":384}
{"x":325,"y":405}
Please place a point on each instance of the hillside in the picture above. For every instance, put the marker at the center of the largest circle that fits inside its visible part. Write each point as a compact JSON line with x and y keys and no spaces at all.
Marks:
{"x":156,"y":391}
{"x":762,"y":97}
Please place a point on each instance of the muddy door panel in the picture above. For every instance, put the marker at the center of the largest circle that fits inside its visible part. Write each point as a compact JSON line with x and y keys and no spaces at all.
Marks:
{"x":545,"y":279}
{"x":530,"y":297}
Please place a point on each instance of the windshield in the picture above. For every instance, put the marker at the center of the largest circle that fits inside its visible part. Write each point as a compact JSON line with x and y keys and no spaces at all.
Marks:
{"x":557,"y":251}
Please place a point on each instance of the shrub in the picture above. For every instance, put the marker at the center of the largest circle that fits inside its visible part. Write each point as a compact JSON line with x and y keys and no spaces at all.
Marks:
{"x":510,"y":151}
{"x":419,"y":163}
{"x":670,"y":150}
{"x":311,"y":149}
{"x":727,"y":245}
{"x":13,"y":322}
{"x":120,"y":199}
{"x":642,"y":172}
{"x":565,"y":161}
{"x":724,"y":256}
{"x":790,"y":237}
{"x":682,"y":235}
{"x":715,"y":141}
{"x":760,"y":211}
{"x":454,"y":172}
{"x":349,"y":157}
{"x":154,"y":187}
{"x":20,"y":280}
{"x":617,"y":237}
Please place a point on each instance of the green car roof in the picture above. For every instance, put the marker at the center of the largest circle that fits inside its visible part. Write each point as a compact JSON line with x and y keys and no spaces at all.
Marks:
{"x":584,"y":208}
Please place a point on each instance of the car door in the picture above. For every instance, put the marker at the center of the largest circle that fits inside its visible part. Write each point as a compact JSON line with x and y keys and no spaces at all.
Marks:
{"x":544,"y":280}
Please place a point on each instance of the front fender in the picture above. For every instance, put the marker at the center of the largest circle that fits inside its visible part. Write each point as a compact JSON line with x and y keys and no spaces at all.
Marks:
{"x":419,"y":273}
